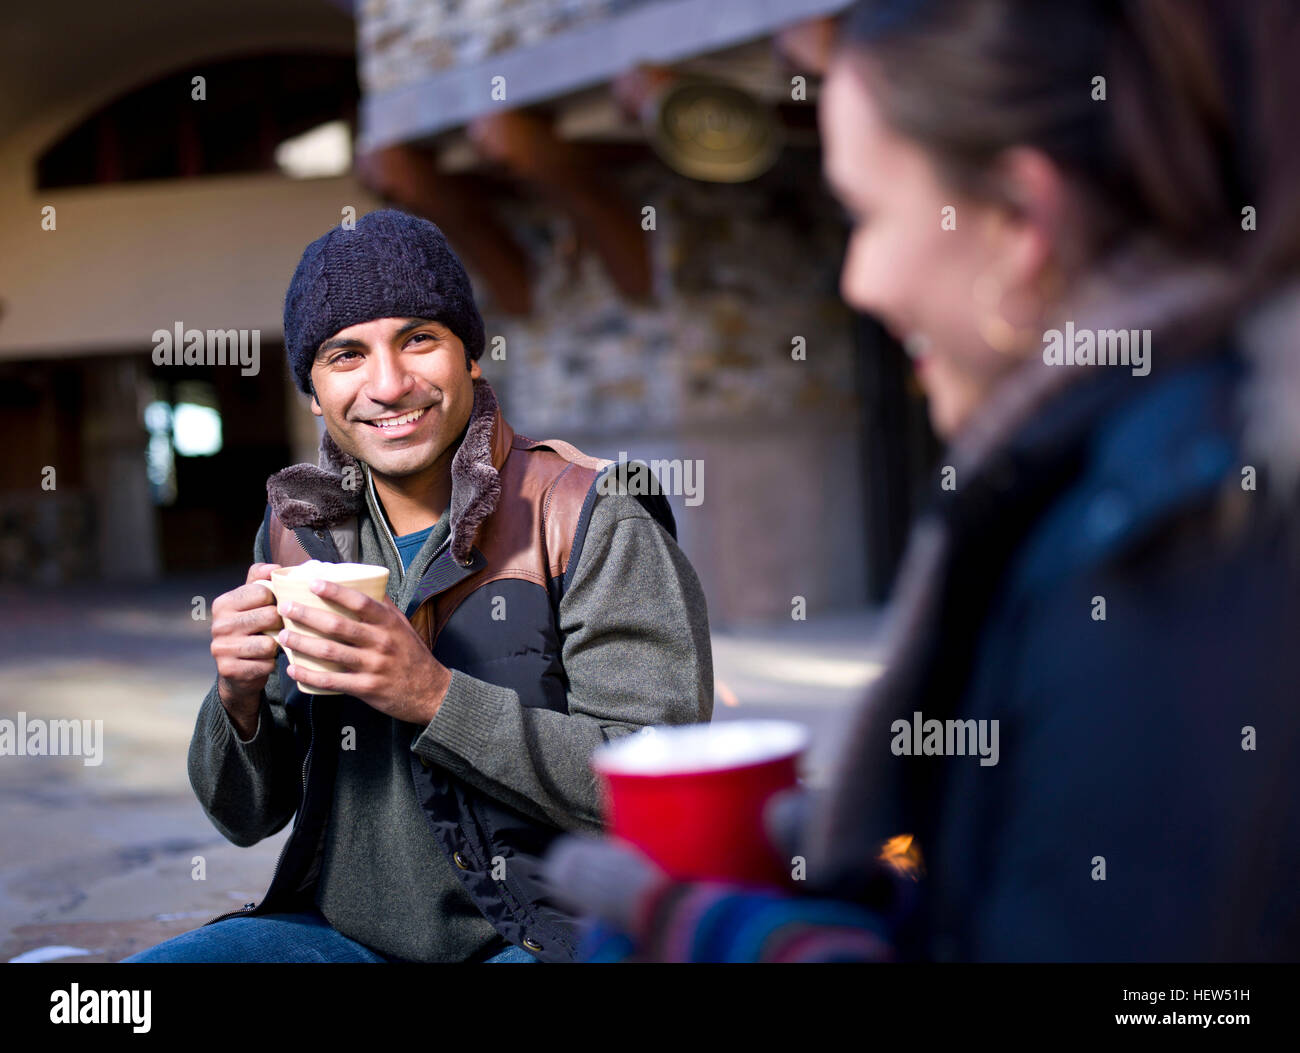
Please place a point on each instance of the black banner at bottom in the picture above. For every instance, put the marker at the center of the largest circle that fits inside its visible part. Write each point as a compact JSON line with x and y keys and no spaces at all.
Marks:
{"x":211,"y":1002}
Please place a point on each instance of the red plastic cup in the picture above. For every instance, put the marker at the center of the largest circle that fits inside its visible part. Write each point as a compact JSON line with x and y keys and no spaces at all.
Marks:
{"x":691,"y":797}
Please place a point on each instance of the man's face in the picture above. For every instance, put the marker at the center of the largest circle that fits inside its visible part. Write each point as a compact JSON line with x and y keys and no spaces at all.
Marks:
{"x":367,"y":375}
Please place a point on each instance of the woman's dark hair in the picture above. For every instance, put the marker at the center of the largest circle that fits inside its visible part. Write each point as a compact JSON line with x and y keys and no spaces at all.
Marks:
{"x":1197,"y":122}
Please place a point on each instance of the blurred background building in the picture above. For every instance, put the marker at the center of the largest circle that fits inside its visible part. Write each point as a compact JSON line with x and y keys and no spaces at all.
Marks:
{"x":634,"y":186}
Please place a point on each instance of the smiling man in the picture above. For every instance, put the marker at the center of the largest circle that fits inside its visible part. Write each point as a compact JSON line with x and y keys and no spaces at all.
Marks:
{"x":532,"y":614}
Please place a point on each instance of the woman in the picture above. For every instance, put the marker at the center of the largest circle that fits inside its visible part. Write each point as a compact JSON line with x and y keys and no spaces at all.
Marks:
{"x":1083,"y":221}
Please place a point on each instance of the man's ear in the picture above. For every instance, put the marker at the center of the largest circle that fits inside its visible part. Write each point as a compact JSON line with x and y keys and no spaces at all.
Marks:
{"x":315,"y":405}
{"x":474,"y":371}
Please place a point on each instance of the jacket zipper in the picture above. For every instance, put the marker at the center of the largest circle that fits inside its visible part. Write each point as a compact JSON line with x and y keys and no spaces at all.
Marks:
{"x":383,"y":521}
{"x":306,"y":760}
{"x":370,"y":485}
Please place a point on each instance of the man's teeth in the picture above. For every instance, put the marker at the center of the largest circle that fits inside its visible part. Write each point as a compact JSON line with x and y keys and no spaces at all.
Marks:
{"x":393,"y":422}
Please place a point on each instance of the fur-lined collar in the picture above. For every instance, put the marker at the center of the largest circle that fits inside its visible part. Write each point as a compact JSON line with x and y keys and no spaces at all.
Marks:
{"x":1192,"y":310}
{"x":329,"y":493}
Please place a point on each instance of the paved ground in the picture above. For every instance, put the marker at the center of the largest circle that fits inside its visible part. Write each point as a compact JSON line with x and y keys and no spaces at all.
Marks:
{"x":97,"y":860}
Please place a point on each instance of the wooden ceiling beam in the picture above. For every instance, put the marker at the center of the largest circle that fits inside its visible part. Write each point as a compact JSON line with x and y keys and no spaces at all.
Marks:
{"x":410,"y":178}
{"x":570,"y":176}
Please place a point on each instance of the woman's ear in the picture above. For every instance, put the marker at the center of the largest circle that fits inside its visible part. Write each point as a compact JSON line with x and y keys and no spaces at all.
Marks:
{"x":1031,"y":220}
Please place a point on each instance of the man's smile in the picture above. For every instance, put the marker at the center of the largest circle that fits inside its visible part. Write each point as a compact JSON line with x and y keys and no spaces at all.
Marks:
{"x":399,"y":424}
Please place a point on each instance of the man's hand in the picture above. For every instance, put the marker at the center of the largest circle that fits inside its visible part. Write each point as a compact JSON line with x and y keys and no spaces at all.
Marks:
{"x":245,"y":656}
{"x":385,"y":663}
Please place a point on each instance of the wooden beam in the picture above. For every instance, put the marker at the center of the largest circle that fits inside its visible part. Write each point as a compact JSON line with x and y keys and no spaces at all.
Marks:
{"x":570,"y":176}
{"x":410,"y":178}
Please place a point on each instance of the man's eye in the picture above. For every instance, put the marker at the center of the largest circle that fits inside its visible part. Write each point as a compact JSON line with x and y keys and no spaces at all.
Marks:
{"x":341,"y":355}
{"x":427,"y":336}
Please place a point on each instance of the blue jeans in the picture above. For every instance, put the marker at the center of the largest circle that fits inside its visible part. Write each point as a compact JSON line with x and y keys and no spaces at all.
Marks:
{"x":306,"y":937}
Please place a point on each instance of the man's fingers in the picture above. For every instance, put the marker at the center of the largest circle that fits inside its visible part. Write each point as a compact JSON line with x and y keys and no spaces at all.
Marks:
{"x":250,"y":597}
{"x":327,"y":623}
{"x":316,"y":647}
{"x":258,"y":619}
{"x":353,"y":600}
{"x":240,"y":671}
{"x":260,"y":570}
{"x":253,"y":648}
{"x":237,"y":641}
{"x":262,"y":619}
{"x":314,"y":678}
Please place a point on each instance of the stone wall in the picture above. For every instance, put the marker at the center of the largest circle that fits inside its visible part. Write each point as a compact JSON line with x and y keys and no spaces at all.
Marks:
{"x":706,"y":373}
{"x":740,"y":270}
{"x":399,"y":41}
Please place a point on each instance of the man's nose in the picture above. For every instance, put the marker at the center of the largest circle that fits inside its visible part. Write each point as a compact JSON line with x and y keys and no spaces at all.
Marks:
{"x":389,"y":379}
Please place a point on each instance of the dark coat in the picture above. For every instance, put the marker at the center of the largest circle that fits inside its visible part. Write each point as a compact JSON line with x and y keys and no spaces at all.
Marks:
{"x":1156,"y":745}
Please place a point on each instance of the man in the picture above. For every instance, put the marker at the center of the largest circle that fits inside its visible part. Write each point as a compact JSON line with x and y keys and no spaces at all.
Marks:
{"x":535,"y":609}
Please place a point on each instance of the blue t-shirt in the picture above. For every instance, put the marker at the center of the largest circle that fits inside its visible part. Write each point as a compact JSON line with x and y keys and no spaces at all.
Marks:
{"x":409,"y":545}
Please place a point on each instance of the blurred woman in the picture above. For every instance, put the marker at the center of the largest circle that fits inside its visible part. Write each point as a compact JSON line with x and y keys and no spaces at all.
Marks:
{"x":1083,"y":222}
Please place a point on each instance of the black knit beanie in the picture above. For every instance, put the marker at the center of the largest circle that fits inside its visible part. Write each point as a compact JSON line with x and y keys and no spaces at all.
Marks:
{"x":392,"y":265}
